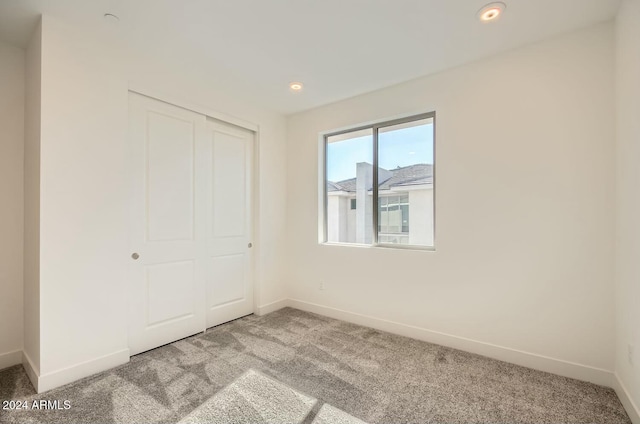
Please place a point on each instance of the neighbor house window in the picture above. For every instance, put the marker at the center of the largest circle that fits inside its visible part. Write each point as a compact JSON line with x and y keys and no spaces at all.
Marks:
{"x":393,"y":219}
{"x":379,"y":183}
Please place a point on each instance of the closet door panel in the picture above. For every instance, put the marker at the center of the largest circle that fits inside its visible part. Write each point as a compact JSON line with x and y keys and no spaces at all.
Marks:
{"x":167,"y":269}
{"x":230,"y":281}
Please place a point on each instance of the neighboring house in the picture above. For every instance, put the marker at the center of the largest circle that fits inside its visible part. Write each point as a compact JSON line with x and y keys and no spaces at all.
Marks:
{"x":405,"y":212}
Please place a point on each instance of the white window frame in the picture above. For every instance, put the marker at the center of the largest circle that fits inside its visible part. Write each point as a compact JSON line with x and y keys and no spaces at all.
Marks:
{"x":322,"y":180}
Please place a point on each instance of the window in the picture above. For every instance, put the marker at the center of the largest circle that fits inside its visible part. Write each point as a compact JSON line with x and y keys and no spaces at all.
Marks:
{"x":379,"y":184}
{"x":393,"y":219}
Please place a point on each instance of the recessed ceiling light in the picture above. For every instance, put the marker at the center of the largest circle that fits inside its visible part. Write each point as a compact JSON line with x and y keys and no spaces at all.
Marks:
{"x":111,"y":18}
{"x":491,"y":11}
{"x":296,"y":86}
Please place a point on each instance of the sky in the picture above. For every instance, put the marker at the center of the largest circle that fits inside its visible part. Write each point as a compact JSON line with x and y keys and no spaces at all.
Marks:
{"x":401,"y":147}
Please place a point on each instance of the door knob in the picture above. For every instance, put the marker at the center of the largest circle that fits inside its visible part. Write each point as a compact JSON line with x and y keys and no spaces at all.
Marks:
{"x":135,"y":256}
{"x":250,"y":245}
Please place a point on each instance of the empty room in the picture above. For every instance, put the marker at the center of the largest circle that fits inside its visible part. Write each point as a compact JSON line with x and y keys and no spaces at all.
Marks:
{"x":320,"y":211}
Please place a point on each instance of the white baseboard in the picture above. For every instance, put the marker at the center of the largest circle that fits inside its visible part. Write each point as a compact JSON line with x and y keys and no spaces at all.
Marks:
{"x":629,"y":405}
{"x":33,"y":372}
{"x":10,"y":359}
{"x":272,"y":307}
{"x":68,"y":375}
{"x":531,"y":360}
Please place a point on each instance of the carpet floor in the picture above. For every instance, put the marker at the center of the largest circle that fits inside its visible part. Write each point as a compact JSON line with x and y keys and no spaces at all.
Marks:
{"x":316,"y":370}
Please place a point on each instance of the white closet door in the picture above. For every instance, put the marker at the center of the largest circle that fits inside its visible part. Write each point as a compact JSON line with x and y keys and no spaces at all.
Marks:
{"x":229,"y":234}
{"x":169,"y":225}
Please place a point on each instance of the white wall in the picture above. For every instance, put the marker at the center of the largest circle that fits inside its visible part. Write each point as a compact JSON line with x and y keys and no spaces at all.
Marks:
{"x":84,"y":206}
{"x":11,"y":199}
{"x":628,"y":198}
{"x":524,"y":206}
{"x":32,"y":203}
{"x":83,"y":238}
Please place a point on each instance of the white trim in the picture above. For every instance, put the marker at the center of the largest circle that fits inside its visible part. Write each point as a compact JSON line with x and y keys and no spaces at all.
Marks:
{"x":167,"y":98}
{"x":255,"y":223}
{"x":322,"y":201}
{"x":10,"y":359}
{"x":84,"y":369}
{"x":627,"y":401}
{"x":31,"y":369}
{"x":364,"y":125}
{"x":272,"y":307}
{"x":526,"y":359}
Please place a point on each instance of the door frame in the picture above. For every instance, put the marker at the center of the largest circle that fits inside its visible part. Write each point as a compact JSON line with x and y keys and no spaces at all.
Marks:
{"x":255,"y":168}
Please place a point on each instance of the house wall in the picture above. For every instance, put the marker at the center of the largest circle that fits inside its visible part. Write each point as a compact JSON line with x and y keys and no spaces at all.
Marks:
{"x":364,"y":203}
{"x":84,"y":206}
{"x":11,"y":197}
{"x":33,"y":105}
{"x":524,"y":210}
{"x":627,"y":364}
{"x":341,"y":219}
{"x":338,"y":225}
{"x":333,"y":222}
{"x":421,"y":217}
{"x":351,"y":223}
{"x":345,"y":207}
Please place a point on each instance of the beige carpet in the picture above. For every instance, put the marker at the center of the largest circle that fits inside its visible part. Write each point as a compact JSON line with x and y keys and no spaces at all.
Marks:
{"x":257,"y":399}
{"x":373,"y":376}
{"x":253,"y":399}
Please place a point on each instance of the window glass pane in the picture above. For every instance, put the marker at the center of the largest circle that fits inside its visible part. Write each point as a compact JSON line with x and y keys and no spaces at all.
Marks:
{"x":405,"y":218}
{"x":406,"y":158}
{"x":349,"y":187}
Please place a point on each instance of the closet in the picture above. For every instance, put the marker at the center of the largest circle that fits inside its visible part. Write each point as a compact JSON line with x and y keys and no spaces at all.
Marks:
{"x":191,"y":222}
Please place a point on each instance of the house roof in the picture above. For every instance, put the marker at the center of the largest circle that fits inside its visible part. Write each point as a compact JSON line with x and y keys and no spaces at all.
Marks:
{"x":421,"y":173}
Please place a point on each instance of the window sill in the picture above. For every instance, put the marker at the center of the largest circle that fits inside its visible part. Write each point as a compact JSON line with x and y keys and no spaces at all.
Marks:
{"x":381,"y":246}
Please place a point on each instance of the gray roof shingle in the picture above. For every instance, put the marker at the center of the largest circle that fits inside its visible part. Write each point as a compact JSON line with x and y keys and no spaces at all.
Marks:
{"x":421,"y":173}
